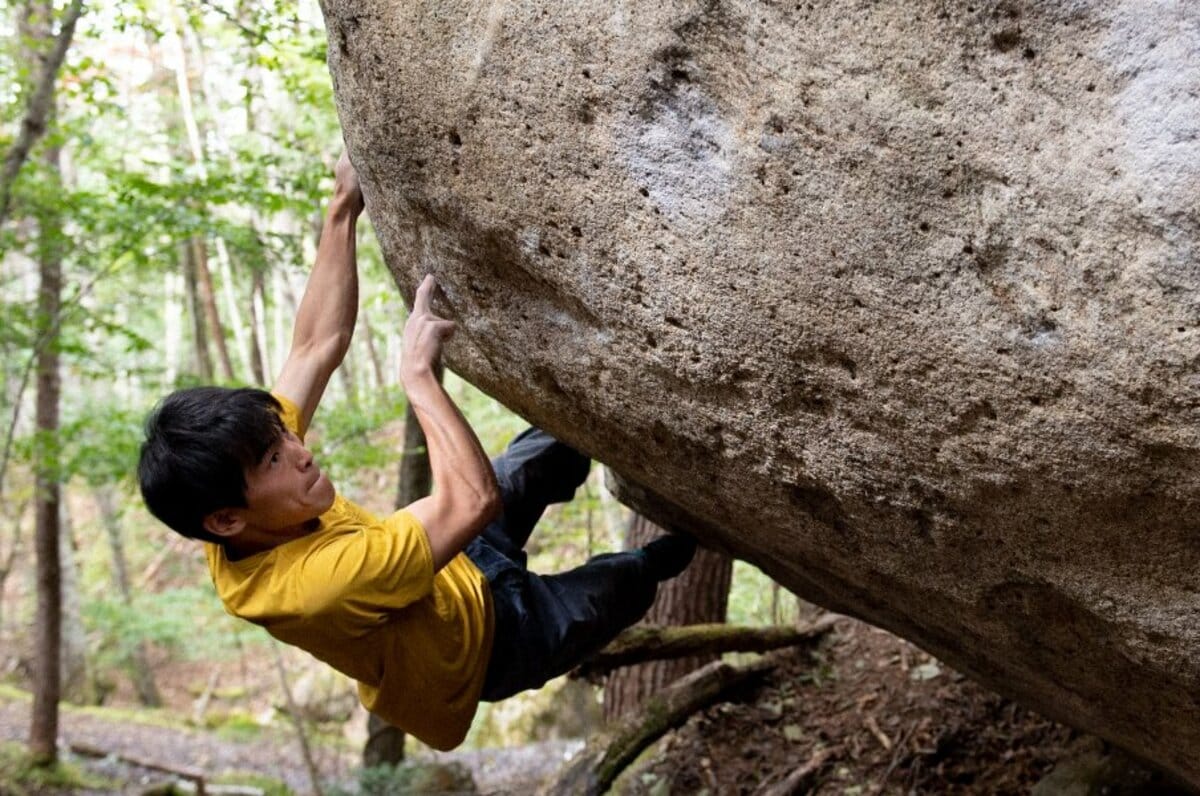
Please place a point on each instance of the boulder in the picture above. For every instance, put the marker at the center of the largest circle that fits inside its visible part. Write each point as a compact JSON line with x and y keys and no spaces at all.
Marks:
{"x":897,"y":301}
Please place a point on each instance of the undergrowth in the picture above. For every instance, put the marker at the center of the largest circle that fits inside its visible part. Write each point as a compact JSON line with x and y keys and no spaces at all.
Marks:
{"x":20,"y":776}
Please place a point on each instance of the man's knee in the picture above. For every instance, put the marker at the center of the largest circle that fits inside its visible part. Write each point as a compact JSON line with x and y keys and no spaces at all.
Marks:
{"x":561,"y":468}
{"x":576,"y":466}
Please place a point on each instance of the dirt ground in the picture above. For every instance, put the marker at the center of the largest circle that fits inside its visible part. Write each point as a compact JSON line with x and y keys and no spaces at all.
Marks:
{"x":864,"y":713}
{"x":868,"y":713}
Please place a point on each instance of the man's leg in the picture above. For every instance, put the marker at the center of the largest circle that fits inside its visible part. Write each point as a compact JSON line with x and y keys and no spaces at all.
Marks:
{"x":547,"y":624}
{"x":533,"y":472}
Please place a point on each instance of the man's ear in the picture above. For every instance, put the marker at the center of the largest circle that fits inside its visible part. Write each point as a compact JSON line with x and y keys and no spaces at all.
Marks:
{"x":225,"y":523}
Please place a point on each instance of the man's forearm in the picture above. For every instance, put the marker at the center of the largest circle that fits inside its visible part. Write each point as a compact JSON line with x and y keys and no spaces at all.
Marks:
{"x":329,"y":308}
{"x":462,"y":474}
{"x":325,"y":320}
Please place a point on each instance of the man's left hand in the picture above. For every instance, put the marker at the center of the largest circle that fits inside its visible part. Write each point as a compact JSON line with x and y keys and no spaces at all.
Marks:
{"x":345,"y":183}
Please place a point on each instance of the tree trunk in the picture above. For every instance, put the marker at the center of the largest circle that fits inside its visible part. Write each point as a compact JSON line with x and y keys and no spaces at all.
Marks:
{"x":346,"y":375}
{"x":39,"y":110}
{"x":257,"y":365}
{"x":139,"y":665}
{"x":208,"y":300}
{"x":284,"y":306}
{"x":173,"y":314}
{"x":368,"y":333}
{"x":385,"y":743}
{"x":203,"y":361}
{"x":615,"y":519}
{"x":415,"y":478}
{"x":234,"y":320}
{"x":256,"y":327}
{"x":76,"y":683}
{"x":607,"y":754}
{"x":43,"y":731}
{"x":33,"y":31}
{"x":198,"y":247}
{"x":697,"y":596}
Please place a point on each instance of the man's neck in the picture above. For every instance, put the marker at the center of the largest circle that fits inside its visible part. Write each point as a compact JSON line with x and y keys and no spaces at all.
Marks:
{"x":252,"y":541}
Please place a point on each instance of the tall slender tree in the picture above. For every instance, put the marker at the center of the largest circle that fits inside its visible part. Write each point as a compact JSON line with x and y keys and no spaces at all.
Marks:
{"x":368,"y":333}
{"x":43,"y":731}
{"x":39,"y":90}
{"x":39,"y":109}
{"x":198,"y":268}
{"x":258,"y":369}
{"x":208,"y":301}
{"x":191,"y":280}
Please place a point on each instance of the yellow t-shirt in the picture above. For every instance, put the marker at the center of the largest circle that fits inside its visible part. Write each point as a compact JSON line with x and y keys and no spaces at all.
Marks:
{"x":360,"y":594}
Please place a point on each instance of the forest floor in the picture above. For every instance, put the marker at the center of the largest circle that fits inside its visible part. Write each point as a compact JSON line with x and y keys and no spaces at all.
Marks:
{"x":864,"y":713}
{"x":869,"y":713}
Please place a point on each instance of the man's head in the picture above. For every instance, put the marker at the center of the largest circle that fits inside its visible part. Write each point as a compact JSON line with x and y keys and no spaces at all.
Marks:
{"x":217,"y":461}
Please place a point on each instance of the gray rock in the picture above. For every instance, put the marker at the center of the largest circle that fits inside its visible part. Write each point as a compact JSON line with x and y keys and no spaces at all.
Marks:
{"x":898,"y":301}
{"x":1091,"y":769}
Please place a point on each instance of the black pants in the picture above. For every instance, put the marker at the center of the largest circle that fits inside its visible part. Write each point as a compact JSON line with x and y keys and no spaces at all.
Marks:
{"x":547,"y":624}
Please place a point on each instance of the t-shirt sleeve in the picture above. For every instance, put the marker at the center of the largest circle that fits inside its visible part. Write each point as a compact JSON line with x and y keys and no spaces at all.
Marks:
{"x":290,"y":415}
{"x":358,"y":577}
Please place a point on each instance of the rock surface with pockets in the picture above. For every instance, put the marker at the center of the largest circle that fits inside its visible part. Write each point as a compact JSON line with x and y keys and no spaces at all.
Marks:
{"x":898,"y":301}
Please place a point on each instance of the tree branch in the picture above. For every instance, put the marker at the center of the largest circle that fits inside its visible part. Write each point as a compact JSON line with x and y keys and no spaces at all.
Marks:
{"x":643,"y":643}
{"x":188,"y":773}
{"x":37,"y":110}
{"x":595,"y":768}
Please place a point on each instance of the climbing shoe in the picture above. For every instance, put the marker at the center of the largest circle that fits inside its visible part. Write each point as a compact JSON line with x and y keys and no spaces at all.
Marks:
{"x":669,"y":555}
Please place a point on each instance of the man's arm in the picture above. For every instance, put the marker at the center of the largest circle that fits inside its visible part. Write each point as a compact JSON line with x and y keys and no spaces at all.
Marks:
{"x":465,"y":494}
{"x":325,"y":320}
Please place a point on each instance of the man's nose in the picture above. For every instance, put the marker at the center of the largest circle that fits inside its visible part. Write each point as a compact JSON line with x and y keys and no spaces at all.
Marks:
{"x":306,"y":458}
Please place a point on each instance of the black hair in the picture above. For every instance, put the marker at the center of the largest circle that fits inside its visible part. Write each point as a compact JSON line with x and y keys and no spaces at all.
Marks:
{"x":199,"y":444}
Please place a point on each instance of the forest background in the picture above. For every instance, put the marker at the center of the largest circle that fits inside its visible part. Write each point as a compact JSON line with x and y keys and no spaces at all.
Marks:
{"x":176,"y":198}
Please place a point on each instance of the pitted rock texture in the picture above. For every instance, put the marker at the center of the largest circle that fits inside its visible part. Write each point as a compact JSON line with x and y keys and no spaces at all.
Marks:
{"x":899,"y":301}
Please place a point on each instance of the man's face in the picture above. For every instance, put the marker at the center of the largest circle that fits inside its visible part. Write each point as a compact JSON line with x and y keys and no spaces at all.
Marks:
{"x":286,"y":488}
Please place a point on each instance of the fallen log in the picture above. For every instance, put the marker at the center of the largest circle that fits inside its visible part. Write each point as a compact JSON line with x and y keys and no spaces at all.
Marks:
{"x":654,"y":642}
{"x":594,"y":769}
{"x":193,"y":776}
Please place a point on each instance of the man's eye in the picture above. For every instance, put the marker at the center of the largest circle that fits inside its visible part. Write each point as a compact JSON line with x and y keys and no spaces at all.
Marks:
{"x":274,"y":458}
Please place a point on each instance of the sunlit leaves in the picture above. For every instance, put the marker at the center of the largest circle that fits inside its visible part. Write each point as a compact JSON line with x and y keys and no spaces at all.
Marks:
{"x":132,"y":196}
{"x":349,"y":443}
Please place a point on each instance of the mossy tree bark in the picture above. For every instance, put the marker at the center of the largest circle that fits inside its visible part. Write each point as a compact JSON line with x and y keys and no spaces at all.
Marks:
{"x":642,"y":643}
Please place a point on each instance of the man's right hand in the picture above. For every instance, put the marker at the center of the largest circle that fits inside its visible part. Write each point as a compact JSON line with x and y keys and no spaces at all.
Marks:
{"x":424,"y":335}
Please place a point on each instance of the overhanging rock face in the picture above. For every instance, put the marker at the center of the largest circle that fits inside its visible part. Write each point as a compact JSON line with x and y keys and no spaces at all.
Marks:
{"x":899,"y":301}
